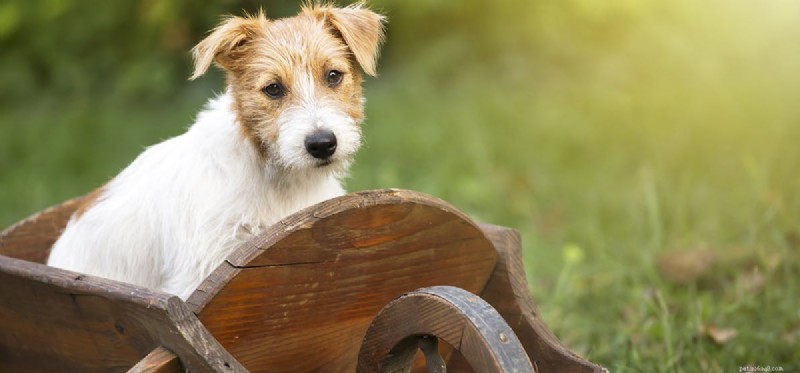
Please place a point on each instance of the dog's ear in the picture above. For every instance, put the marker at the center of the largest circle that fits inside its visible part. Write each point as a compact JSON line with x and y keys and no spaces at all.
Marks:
{"x":225,"y":44}
{"x":362,"y":31}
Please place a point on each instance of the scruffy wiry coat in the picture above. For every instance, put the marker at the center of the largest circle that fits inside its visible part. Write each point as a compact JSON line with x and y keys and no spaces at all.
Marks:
{"x":175,"y":213}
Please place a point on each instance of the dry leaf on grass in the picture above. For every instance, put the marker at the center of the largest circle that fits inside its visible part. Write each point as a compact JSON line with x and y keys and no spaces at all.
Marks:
{"x":752,"y":280}
{"x":718,"y":335}
{"x":792,"y":335}
{"x":686,"y":266}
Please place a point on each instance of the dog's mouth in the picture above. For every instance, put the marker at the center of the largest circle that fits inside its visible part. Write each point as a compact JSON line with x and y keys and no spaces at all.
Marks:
{"x":324,"y":162}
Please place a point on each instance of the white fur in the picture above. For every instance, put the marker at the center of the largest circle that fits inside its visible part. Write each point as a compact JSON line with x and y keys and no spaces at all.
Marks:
{"x":175,"y":213}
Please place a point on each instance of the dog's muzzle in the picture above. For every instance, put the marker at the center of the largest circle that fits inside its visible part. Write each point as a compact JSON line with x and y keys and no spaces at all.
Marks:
{"x":321,"y":144}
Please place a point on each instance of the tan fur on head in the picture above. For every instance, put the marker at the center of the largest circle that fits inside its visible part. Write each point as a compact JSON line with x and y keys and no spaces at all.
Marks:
{"x":361,"y":29}
{"x":295,"y":54}
{"x":224,"y":43}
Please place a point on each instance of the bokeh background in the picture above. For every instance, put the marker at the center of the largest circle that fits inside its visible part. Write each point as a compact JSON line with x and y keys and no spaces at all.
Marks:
{"x":646,"y":150}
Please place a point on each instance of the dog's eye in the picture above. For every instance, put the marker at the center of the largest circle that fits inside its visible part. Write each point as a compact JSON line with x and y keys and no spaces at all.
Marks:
{"x":334,"y":77}
{"x":274,"y":90}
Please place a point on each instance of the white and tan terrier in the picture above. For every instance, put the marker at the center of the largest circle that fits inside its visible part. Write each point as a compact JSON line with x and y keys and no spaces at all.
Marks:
{"x":278,"y":140}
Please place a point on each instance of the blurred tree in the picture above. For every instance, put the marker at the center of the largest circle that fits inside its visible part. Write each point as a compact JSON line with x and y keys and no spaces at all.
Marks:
{"x":134,"y":49}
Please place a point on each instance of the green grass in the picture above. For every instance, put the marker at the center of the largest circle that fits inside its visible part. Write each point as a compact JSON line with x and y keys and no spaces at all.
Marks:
{"x":608,"y":135}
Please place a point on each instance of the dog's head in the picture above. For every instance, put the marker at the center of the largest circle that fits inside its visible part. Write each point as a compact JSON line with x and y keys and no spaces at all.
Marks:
{"x":296,"y":82}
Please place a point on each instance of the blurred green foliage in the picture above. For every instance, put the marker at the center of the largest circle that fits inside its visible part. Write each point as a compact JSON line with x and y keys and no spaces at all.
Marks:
{"x":608,"y":133}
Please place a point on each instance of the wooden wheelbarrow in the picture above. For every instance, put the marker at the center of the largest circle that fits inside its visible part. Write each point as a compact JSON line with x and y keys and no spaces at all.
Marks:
{"x":379,"y":281}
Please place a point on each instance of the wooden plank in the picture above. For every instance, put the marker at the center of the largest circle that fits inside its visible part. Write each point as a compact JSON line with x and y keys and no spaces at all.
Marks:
{"x":508,"y":292}
{"x":357,"y":223}
{"x":32,"y":238}
{"x":315,"y":281}
{"x":160,"y":360}
{"x":453,"y":315}
{"x":57,"y":320}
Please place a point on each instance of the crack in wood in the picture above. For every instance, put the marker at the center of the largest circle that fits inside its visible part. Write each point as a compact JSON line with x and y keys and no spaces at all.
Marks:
{"x":277,"y":264}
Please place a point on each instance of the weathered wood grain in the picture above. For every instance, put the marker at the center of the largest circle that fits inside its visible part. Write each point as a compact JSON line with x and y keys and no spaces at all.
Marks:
{"x":314,"y":281}
{"x":160,"y":360}
{"x":53,"y":320}
{"x":508,"y":292}
{"x":318,"y":274}
{"x":32,"y":238}
{"x":453,"y":315}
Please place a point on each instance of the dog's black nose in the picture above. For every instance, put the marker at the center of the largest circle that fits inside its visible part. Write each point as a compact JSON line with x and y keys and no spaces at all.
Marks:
{"x":321,"y":144}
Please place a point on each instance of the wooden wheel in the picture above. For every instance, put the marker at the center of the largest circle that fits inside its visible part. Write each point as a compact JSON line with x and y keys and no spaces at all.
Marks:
{"x":463,"y":320}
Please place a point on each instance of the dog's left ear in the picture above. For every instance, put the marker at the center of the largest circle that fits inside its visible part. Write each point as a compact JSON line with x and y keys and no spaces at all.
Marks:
{"x":362,"y":31}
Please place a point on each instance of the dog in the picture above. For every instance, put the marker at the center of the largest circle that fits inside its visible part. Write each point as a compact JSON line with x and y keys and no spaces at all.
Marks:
{"x":279,"y":139}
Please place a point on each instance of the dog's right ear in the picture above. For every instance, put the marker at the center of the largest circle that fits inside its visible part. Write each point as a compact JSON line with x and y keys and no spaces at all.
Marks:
{"x":226,"y":43}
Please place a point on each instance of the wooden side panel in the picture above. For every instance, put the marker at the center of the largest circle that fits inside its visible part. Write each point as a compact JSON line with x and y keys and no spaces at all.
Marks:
{"x":32,"y":238}
{"x":302,"y":299}
{"x":311,"y":283}
{"x":507,"y":291}
{"x":53,"y":320}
